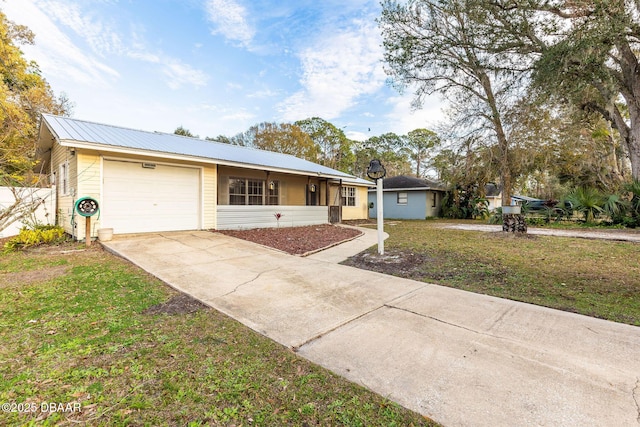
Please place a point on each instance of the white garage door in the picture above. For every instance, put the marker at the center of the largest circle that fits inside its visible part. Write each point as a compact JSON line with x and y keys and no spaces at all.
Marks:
{"x":140,"y":199}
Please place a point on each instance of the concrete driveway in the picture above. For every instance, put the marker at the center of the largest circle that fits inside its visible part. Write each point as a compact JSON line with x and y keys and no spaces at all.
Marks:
{"x":460,"y":358}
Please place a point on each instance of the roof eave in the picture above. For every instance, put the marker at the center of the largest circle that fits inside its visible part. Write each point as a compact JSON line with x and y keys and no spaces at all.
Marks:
{"x":412,"y":189}
{"x":184,"y":157}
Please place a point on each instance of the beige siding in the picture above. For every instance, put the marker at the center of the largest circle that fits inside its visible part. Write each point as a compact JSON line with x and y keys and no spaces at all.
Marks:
{"x":360,"y":210}
{"x":209,"y":218}
{"x":294,"y":193}
{"x":84,"y":181}
{"x":60,"y":155}
{"x":88,"y":185}
{"x":292,"y":187}
{"x":334,"y":195}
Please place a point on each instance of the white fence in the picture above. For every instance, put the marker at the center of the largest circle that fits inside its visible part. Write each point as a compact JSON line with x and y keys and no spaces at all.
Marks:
{"x":231,"y":217}
{"x":45,"y":213}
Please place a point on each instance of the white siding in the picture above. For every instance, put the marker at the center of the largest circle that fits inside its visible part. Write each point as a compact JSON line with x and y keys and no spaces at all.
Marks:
{"x":244,"y":217}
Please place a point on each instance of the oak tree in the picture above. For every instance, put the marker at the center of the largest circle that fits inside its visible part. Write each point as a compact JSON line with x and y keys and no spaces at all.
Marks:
{"x":443,"y":47}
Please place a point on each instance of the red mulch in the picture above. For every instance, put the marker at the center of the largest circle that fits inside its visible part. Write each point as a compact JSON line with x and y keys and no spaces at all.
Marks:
{"x":296,"y":240}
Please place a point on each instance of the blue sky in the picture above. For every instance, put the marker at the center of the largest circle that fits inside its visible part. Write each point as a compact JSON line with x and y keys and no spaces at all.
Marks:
{"x":219,"y":66}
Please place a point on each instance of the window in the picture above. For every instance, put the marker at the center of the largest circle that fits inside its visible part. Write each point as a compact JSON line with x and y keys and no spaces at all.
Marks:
{"x":64,"y":179}
{"x":246,"y":191}
{"x":273,"y":193}
{"x":435,"y":196}
{"x":256,"y":191}
{"x":402,"y":198}
{"x":237,"y":191}
{"x":348,"y":196}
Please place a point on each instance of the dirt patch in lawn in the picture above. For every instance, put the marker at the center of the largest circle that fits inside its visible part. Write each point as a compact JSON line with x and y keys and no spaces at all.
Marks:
{"x":397,"y":263}
{"x":179,"y":304}
{"x":24,"y":278}
{"x":297,"y":240}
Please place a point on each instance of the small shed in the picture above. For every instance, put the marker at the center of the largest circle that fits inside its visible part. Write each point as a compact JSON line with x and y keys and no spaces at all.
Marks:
{"x":408,"y":197}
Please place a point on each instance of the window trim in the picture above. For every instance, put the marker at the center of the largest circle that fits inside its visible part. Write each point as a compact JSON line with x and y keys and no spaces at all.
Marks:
{"x":400,"y":196}
{"x":347,"y":199}
{"x":254,"y":189}
{"x":64,"y":178}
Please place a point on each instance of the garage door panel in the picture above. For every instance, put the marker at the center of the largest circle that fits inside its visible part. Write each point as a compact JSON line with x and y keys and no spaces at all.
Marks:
{"x":138,"y":199}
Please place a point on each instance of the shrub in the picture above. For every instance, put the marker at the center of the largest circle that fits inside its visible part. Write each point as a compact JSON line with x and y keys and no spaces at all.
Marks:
{"x":633,"y":220}
{"x":588,"y":201}
{"x":616,"y":208}
{"x":41,"y":234}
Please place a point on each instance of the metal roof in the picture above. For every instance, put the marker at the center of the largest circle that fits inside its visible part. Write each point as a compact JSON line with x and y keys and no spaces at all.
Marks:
{"x":73,"y":132}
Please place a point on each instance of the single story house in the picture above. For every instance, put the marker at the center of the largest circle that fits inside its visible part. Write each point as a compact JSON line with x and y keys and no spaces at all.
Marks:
{"x":152,"y":181}
{"x":408,"y":197}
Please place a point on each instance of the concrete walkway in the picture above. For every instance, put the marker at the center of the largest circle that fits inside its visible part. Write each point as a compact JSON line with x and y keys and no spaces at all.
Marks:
{"x":460,"y":358}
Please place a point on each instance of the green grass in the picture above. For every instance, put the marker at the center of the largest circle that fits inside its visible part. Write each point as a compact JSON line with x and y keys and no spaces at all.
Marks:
{"x":592,"y":277}
{"x":73,"y":330}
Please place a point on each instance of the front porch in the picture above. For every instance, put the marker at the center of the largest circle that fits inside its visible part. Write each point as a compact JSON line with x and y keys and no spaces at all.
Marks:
{"x":261,"y":199}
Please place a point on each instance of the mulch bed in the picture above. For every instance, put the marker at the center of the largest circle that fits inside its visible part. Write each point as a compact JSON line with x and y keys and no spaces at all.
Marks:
{"x":296,"y":240}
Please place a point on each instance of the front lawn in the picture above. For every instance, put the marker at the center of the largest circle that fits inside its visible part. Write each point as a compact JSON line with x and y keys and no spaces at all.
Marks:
{"x":593,"y":277}
{"x":86,"y":338}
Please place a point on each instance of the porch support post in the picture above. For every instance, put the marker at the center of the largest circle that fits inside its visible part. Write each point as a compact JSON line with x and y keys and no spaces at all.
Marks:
{"x":327,"y":195}
{"x":265,"y":196}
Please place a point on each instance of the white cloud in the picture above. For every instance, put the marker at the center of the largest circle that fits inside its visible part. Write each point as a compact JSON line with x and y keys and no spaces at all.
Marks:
{"x":99,"y":36}
{"x":230,"y":20}
{"x":234,"y":86}
{"x":265,"y":93}
{"x":179,"y":74}
{"x":59,"y":55}
{"x":337,"y":70}
{"x":404,"y":119}
{"x":176,"y":72}
{"x":357,"y":136}
{"x":54,"y":50}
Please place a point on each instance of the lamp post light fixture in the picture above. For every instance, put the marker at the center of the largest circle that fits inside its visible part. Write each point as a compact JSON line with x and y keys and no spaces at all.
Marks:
{"x":377,"y":172}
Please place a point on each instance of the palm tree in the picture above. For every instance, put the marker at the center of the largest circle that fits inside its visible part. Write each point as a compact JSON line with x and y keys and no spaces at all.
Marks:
{"x":634,"y":205}
{"x":615,"y":207}
{"x":588,"y":201}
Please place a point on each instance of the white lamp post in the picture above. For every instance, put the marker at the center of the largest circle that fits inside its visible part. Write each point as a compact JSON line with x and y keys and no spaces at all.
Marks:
{"x":377,"y":171}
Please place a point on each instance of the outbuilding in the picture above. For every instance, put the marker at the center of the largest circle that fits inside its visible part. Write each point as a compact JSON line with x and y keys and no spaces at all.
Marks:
{"x":150,"y":181}
{"x":408,"y":197}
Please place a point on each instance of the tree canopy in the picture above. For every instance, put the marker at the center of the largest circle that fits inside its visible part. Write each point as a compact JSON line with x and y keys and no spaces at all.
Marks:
{"x":335,"y":147}
{"x":444,"y":47}
{"x":180,"y":130}
{"x":581,"y":53}
{"x":24,"y":95}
